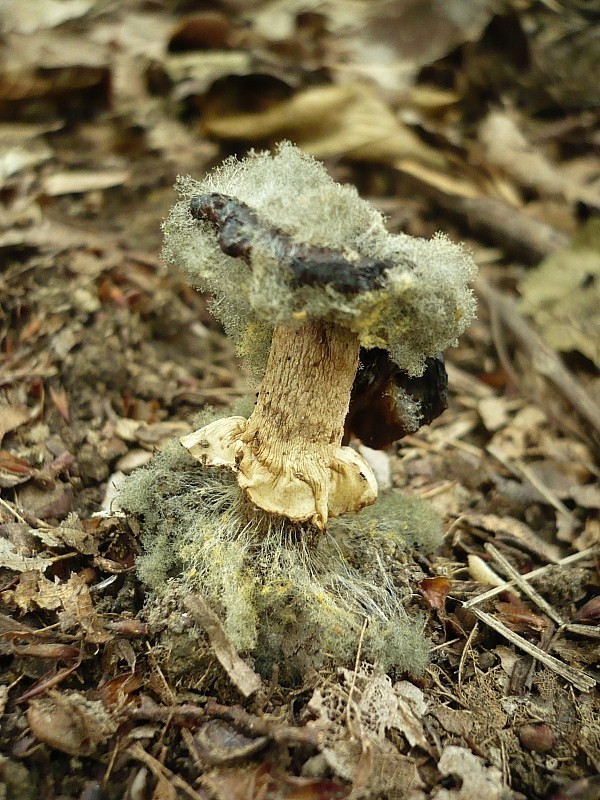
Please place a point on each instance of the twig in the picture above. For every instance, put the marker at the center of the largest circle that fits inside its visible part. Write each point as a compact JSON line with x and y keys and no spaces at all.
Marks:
{"x":355,"y":673}
{"x":523,"y":585}
{"x":13,"y":511}
{"x":544,"y":360}
{"x":187,"y":715}
{"x":505,"y":225}
{"x":463,"y":655}
{"x":573,"y":558}
{"x":246,"y":680}
{"x":257,"y":726}
{"x":577,"y":677}
{"x":593,"y":631}
{"x":49,"y":683}
{"x":518,"y":468}
{"x":160,"y":771}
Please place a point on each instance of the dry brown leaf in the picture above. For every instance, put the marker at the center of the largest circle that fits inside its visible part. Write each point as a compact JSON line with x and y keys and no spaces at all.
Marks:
{"x":435,"y":591}
{"x":513,"y":529}
{"x":590,"y":536}
{"x":54,"y":651}
{"x":69,"y":533}
{"x":458,"y":722}
{"x":11,"y":417}
{"x":476,"y":779}
{"x":11,"y":558}
{"x":28,"y":16}
{"x":50,"y":66}
{"x":587,"y":496}
{"x":204,"y":30}
{"x":53,"y":500}
{"x":194,"y":72}
{"x":36,"y":591}
{"x":330,"y":121}
{"x":164,"y":789}
{"x":449,"y":185}
{"x":560,"y":477}
{"x":79,"y":612}
{"x":506,"y":146}
{"x":264,"y":781}
{"x":22,"y":147}
{"x":516,"y":616}
{"x":70,"y":722}
{"x":150,"y":435}
{"x":589,"y":613}
{"x":562,"y":295}
{"x":219,"y":742}
{"x":494,"y":412}
{"x":61,"y":402}
{"x":13,"y":470}
{"x":384,"y":43}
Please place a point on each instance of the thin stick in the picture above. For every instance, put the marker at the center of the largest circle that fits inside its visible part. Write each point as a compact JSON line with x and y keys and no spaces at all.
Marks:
{"x":160,"y":771}
{"x":544,"y":360}
{"x":574,"y":557}
{"x":355,"y":673}
{"x":593,"y":631}
{"x":577,"y":677}
{"x":519,"y":469}
{"x":463,"y":655}
{"x":13,"y":511}
{"x":524,"y":586}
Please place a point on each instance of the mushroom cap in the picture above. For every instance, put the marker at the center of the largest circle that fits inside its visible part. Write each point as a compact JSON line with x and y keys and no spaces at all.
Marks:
{"x":278,"y":242}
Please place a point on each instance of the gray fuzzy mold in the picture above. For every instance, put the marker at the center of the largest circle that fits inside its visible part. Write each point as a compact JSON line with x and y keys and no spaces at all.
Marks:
{"x":284,"y":592}
{"x":420,"y":307}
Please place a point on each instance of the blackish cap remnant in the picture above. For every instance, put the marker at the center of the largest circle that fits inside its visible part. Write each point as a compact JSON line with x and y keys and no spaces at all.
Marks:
{"x":239,"y":229}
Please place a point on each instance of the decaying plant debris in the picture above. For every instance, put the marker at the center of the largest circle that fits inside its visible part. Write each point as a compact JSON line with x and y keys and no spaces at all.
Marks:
{"x":471,"y":125}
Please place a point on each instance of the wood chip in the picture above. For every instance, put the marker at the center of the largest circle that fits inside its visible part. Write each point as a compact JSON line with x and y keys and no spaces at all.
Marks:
{"x":246,"y":680}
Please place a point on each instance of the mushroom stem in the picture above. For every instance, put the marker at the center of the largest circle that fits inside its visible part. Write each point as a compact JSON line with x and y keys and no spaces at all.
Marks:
{"x":294,"y":434}
{"x":288,"y":456}
{"x":305,"y":392}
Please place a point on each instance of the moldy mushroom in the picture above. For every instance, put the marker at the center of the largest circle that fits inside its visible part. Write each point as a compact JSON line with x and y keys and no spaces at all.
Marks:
{"x":342,"y":322}
{"x":302,"y":266}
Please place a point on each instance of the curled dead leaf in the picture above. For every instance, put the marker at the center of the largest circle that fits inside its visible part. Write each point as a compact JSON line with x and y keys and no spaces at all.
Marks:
{"x":218,"y":742}
{"x":330,"y":121}
{"x":70,"y":722}
{"x":11,"y":417}
{"x":519,"y":618}
{"x":435,"y":591}
{"x":589,"y":613}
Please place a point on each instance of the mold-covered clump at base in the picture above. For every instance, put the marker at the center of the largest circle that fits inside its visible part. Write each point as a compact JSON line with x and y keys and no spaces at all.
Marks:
{"x":285,"y":593}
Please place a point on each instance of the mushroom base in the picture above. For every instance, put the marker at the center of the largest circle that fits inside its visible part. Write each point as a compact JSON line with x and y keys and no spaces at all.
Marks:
{"x":284,"y":592}
{"x":312,"y":484}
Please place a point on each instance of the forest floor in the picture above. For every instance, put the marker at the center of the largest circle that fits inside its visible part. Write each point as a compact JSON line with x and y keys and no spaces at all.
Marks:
{"x":479,"y":119}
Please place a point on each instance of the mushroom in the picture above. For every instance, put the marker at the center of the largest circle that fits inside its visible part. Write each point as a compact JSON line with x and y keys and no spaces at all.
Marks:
{"x":304,"y":269}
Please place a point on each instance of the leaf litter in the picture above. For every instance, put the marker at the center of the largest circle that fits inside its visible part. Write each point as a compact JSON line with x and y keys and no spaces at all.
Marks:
{"x":105,"y":357}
